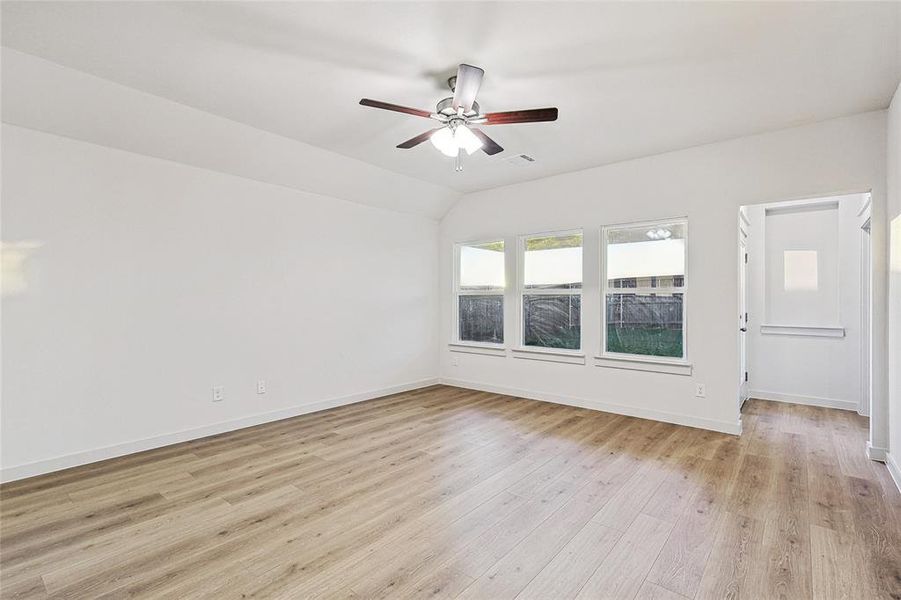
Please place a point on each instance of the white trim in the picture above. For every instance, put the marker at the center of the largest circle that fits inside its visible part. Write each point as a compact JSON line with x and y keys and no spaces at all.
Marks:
{"x":683,"y":220}
{"x":639,"y":363}
{"x":477,"y":348}
{"x":744,"y":367}
{"x":89,"y":456}
{"x":798,"y":206}
{"x":807,"y":400}
{"x":803,"y":330}
{"x":832,"y":193}
{"x":550,"y":355}
{"x":893,"y":469}
{"x":819,"y":199}
{"x":877,"y":454}
{"x":866,"y":310}
{"x":733,"y":428}
{"x":866,"y":204}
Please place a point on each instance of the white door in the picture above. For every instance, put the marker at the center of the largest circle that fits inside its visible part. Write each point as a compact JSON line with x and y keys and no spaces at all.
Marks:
{"x":744,"y":387}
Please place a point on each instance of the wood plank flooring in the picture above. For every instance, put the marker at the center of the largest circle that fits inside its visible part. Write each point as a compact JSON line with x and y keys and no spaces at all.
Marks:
{"x":451,"y":493}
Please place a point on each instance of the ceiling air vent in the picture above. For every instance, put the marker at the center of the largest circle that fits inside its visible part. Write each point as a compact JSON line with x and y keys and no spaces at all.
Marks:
{"x":519,"y":160}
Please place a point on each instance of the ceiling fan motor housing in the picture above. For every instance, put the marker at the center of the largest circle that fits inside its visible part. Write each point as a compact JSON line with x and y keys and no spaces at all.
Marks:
{"x":446,"y":108}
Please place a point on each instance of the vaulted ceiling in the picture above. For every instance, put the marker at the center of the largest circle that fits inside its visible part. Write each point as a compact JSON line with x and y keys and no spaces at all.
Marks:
{"x":630,"y":79}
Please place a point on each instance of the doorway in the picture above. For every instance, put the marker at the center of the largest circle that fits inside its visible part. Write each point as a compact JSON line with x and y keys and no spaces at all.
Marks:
{"x":804,"y":302}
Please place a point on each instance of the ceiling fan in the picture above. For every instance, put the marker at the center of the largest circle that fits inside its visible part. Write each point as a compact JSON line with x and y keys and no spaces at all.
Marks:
{"x":459,"y":113}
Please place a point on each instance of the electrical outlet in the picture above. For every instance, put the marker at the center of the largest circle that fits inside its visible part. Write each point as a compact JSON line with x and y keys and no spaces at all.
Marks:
{"x":455,"y":361}
{"x":218,"y":393}
{"x":261,"y":386}
{"x":700,"y":390}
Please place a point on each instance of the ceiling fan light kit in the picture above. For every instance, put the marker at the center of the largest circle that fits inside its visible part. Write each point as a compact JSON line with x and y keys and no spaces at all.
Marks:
{"x":453,"y":138}
{"x":456,"y":137}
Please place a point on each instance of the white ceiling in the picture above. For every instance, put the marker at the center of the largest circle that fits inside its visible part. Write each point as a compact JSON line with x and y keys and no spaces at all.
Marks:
{"x":630,"y":79}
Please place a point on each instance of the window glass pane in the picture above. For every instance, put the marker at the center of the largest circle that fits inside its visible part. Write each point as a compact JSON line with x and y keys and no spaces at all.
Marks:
{"x":649,"y":324}
{"x":553,"y":262}
{"x":482,"y":266}
{"x":481,"y":319}
{"x":800,"y":270}
{"x":648,"y":256}
{"x":552,"y":321}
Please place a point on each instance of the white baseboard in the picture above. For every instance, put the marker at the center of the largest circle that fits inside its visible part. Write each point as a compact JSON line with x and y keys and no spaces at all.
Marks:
{"x":808,"y":400}
{"x":893,"y":469}
{"x":875,"y":453}
{"x":619,"y":409}
{"x":89,"y":456}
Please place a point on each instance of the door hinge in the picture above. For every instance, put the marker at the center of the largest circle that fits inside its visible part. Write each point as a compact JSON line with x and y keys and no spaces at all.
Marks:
{"x":746,"y":258}
{"x":746,"y":375}
{"x":746,"y":318}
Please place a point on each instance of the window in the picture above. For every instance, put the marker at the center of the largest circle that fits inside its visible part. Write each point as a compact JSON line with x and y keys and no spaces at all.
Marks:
{"x":480,"y":292}
{"x":800,"y":270}
{"x":644,"y":289}
{"x":551,"y":290}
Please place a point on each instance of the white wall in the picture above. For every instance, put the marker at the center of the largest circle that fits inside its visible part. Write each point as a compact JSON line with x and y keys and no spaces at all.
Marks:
{"x":707,"y":184}
{"x":155,"y":280}
{"x":894,"y":320}
{"x":806,"y":368}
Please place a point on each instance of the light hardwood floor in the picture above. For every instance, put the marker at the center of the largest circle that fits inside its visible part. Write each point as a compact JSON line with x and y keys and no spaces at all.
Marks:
{"x":445,"y":492}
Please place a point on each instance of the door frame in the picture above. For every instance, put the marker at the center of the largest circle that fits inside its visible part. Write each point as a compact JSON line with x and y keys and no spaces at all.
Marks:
{"x":866,"y":313}
{"x":744,"y":385}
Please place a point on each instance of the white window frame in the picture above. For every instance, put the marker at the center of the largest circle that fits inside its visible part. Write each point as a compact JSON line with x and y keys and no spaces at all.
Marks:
{"x":644,"y":362}
{"x":539,"y":352}
{"x":456,"y":343}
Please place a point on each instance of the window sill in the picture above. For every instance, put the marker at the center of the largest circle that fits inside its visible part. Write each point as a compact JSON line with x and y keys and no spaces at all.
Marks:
{"x":477,"y":348}
{"x":803,"y":330}
{"x":551,"y":355}
{"x":639,"y":363}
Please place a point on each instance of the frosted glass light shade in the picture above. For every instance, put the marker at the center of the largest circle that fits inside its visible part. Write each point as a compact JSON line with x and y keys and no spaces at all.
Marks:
{"x":443,"y":140}
{"x":450,"y":142}
{"x":467,"y":140}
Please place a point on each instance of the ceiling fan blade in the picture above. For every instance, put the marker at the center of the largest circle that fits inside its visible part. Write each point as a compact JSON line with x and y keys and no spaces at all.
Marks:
{"x":489,"y":146}
{"x":534,"y":115}
{"x":417,"y":140}
{"x":395,"y":108}
{"x":469,"y":80}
